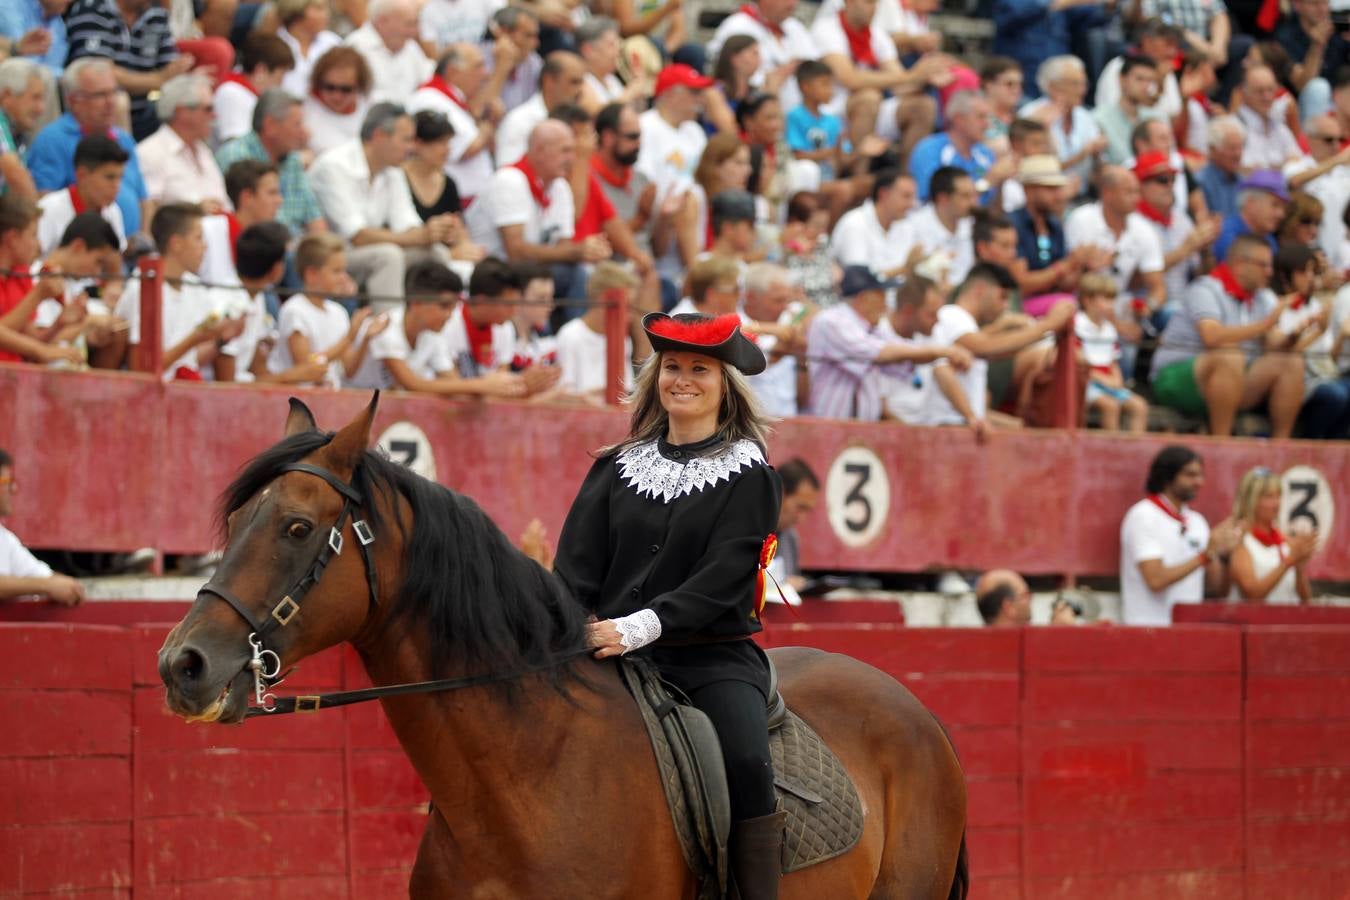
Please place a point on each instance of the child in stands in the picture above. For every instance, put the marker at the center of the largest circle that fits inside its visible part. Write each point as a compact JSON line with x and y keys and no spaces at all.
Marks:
{"x":1106,"y":391}
{"x":99,"y":164}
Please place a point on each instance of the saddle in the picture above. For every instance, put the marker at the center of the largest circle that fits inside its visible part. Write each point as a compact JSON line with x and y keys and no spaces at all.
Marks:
{"x":825,"y":815}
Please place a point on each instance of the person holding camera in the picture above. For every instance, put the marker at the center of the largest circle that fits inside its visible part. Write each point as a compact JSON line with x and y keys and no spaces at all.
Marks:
{"x":1005,"y":600}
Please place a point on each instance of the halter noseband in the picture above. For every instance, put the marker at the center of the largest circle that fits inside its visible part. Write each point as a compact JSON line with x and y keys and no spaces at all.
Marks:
{"x":286,"y":609}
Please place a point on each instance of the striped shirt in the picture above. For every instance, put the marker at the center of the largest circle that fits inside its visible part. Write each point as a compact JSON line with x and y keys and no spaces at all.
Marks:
{"x":299,"y":206}
{"x":96,"y":28}
{"x":846,"y":382}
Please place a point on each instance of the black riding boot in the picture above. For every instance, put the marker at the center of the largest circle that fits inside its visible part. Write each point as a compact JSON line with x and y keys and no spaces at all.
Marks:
{"x":757,"y":856}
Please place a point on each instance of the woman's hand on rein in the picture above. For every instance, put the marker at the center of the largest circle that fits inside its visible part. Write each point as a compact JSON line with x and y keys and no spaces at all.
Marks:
{"x":605,"y":638}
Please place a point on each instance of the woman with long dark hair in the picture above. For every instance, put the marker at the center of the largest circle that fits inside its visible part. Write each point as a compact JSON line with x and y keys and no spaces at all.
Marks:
{"x":666,"y":542}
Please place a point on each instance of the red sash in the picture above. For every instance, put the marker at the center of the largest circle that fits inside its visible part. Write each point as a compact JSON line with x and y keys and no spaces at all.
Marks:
{"x":619,"y":180}
{"x":1270,"y":537}
{"x":1172,"y":513}
{"x":437,"y":83}
{"x":1148,"y":212}
{"x":753,"y":12}
{"x":480,"y":339}
{"x":1224,"y":276}
{"x":538,"y":189}
{"x":859,"y":43}
{"x":242,"y":80}
{"x":75,"y":200}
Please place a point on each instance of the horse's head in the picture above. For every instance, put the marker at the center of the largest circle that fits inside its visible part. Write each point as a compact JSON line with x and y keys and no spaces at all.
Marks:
{"x":281,"y":516}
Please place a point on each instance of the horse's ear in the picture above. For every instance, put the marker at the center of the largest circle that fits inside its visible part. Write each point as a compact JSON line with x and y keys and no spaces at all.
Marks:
{"x":348,"y":445}
{"x":299,"y":419}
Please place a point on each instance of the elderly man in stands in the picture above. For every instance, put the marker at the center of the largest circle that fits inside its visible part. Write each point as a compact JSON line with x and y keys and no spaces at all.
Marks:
{"x":1221,"y":352}
{"x":560,"y":82}
{"x":1270,"y":143}
{"x":459,"y":90}
{"x":1325,"y":174}
{"x":278,"y":138}
{"x":134,"y":36}
{"x":1261,"y":202}
{"x":878,"y":95}
{"x":1218,"y":179}
{"x":90,"y":90}
{"x":21,"y":573}
{"x":23,"y":96}
{"x":877,"y":233}
{"x":961,"y":145}
{"x":388,"y":41}
{"x":1004,"y":601}
{"x":526,"y":213}
{"x":783,"y":42}
{"x":768,"y":291}
{"x":366,"y":198}
{"x":512,"y":50}
{"x":177,"y":163}
{"x":599,"y":45}
{"x":849,"y":350}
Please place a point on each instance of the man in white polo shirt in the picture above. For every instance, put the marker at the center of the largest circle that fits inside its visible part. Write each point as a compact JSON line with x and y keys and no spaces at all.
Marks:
{"x":1168,"y":555}
{"x":876,"y":233}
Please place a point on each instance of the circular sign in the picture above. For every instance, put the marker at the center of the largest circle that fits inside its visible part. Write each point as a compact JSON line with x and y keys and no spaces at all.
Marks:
{"x":406,"y":444}
{"x":857,"y":496}
{"x":1306,"y":502}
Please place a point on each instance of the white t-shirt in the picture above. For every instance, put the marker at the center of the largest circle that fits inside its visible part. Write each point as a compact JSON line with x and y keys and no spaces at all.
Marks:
{"x":234,"y":105}
{"x":828,"y":34}
{"x":1149,"y":533}
{"x":57,"y":211}
{"x":296,"y":82}
{"x":890,"y":18}
{"x":581,"y":356}
{"x":395,"y":75}
{"x":182,"y":309}
{"x":328,"y":129}
{"x":513,"y":137}
{"x":957,"y":246}
{"x":218,"y":262}
{"x":953,"y":323}
{"x":1333,"y":189}
{"x":507,"y":201}
{"x":669,"y":155}
{"x":1101,"y":343}
{"x":859,"y":240}
{"x":1138,"y":250}
{"x":776,"y":386}
{"x":446,"y":22}
{"x":469,"y":174}
{"x":427,"y":359}
{"x":257,"y":325}
{"x":1264,"y":561}
{"x":1108,"y":90}
{"x":323,"y":325}
{"x":774,"y":51}
{"x":904,"y":393}
{"x":16,"y":561}
{"x":456,"y":338}
{"x":608,"y":89}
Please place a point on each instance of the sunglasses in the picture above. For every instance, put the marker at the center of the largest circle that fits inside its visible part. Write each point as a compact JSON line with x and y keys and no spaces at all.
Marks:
{"x":338,"y":88}
{"x":1162,"y":179}
{"x":631,"y":135}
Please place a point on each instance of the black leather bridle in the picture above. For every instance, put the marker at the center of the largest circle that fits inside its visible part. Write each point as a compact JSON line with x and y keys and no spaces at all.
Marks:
{"x":285,"y":610}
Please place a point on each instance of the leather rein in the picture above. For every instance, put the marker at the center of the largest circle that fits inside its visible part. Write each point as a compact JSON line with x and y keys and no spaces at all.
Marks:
{"x":266,"y":664}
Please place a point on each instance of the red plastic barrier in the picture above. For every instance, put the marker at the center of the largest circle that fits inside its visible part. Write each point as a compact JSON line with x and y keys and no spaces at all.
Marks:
{"x":118,"y":461}
{"x":1129,"y":764}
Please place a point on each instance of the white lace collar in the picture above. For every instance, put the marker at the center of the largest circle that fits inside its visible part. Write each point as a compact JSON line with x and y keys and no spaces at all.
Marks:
{"x":652,"y":474}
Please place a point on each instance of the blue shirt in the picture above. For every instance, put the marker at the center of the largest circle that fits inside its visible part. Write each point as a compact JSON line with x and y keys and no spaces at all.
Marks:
{"x":18,"y":17}
{"x":1232,"y":227}
{"x":808,"y":132}
{"x":936,"y":151}
{"x":1039,"y":250}
{"x":51,"y":159}
{"x":1220,"y":190}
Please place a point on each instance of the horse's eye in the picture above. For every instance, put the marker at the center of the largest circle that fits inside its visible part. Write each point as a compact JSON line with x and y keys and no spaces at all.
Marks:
{"x":299,"y":530}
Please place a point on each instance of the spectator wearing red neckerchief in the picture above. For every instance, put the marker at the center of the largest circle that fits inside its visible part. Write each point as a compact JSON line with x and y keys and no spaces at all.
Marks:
{"x":264,"y":62}
{"x":1268,"y":566}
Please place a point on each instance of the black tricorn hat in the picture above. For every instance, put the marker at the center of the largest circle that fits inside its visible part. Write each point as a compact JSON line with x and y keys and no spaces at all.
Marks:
{"x":720,"y":337}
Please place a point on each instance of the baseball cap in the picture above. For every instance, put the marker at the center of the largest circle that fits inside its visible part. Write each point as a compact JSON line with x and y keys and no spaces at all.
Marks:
{"x":680,"y":75}
{"x":1042,"y":169}
{"x":1154,"y":162}
{"x":858,"y":279}
{"x":1267,"y":180}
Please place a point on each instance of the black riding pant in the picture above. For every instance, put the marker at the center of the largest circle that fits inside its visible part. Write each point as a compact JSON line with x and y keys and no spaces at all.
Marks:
{"x":737,"y":712}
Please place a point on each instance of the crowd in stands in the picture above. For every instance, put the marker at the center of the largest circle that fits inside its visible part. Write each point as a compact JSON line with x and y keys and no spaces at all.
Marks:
{"x":446,"y":195}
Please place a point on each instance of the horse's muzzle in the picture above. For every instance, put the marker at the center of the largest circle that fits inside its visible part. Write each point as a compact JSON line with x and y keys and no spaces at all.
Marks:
{"x":202,"y":691}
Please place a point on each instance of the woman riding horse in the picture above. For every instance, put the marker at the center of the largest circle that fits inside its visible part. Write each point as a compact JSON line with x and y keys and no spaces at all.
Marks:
{"x":663,"y":542}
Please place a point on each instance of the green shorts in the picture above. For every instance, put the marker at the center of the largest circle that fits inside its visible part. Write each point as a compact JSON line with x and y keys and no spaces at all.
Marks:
{"x":1175,"y":386}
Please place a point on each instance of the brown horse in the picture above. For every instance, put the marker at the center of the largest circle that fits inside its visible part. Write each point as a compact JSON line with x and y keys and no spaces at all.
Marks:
{"x":543,"y":786}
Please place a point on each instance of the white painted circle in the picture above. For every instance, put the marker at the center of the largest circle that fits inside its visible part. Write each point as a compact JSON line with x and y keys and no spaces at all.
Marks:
{"x":857,"y":496}
{"x":406,"y":444}
{"x":1306,"y":502}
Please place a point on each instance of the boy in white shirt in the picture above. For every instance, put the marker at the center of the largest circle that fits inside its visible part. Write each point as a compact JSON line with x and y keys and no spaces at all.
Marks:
{"x":535,"y":345}
{"x":1106,"y":391}
{"x":582,"y":343}
{"x":264,"y":61}
{"x":192,"y":329}
{"x":99,"y":163}
{"x":314,"y":329}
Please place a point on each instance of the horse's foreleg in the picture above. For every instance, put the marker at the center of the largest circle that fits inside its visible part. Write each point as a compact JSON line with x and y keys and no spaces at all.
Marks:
{"x":431,"y":875}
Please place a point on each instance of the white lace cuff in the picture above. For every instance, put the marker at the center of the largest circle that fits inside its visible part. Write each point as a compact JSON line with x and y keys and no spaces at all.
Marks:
{"x":638,"y":629}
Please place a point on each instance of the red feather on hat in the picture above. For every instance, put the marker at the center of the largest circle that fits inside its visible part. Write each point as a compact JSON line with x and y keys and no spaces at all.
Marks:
{"x":705,"y":334}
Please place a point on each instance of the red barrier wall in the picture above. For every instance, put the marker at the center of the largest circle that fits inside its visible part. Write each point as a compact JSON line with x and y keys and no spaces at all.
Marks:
{"x":1103,"y":763}
{"x":115,"y":461}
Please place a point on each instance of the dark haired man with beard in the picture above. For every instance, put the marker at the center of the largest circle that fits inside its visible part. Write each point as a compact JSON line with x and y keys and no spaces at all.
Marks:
{"x":1168,"y":555}
{"x":618,"y":136}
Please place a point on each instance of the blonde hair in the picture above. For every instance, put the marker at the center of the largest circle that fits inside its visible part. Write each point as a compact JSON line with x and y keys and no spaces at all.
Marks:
{"x":315,"y":250}
{"x":707,"y":272}
{"x":1253,"y":484}
{"x":607,"y":277}
{"x":1095,"y":284}
{"x":739,"y":415}
{"x":719,"y":149}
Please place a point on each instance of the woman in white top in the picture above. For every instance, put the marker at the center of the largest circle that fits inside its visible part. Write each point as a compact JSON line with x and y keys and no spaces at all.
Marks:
{"x":338,"y":98}
{"x":304,"y":28}
{"x":1267,"y":567}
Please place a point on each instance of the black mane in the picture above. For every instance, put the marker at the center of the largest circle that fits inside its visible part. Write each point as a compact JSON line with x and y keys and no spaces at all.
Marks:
{"x":482,"y":602}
